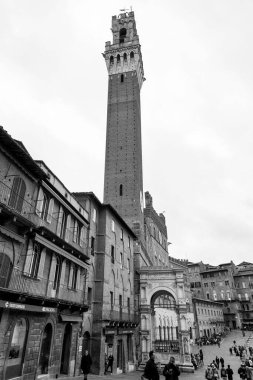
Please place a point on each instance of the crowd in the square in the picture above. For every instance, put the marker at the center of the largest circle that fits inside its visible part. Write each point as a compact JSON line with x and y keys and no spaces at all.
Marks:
{"x":217,"y":370}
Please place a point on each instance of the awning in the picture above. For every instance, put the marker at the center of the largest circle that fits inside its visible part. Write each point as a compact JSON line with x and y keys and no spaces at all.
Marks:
{"x":71,"y":318}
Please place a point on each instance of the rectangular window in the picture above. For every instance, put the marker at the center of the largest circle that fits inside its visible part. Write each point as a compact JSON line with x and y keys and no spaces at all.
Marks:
{"x":129,"y":242}
{"x":74,"y":278}
{"x":205,"y":284}
{"x":92,"y":246}
{"x":208,"y":296}
{"x":128,"y":265}
{"x":121,"y":260}
{"x":112,"y":254}
{"x":128,"y":306}
{"x":113,"y":226}
{"x":121,"y":234}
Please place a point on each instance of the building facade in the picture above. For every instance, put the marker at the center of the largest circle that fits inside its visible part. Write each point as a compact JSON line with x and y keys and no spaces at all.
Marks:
{"x":209,"y":318}
{"x":113,"y":319}
{"x":243,"y":278}
{"x":43,"y":268}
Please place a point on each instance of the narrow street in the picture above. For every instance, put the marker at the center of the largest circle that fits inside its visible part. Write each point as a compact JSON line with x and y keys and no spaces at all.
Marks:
{"x":210,"y":353}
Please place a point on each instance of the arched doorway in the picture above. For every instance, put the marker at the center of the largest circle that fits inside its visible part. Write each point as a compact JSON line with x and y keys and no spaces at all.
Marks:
{"x":15,"y":359}
{"x":66,"y":349}
{"x":45,"y":349}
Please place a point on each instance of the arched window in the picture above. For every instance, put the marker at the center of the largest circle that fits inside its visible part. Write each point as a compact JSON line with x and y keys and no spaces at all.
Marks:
{"x":118,"y":58}
{"x":17,"y":194}
{"x":122,"y":78}
{"x":122,"y":35}
{"x":111,"y":60}
{"x":132,"y":55}
{"x":121,"y":190}
{"x":125,"y":57}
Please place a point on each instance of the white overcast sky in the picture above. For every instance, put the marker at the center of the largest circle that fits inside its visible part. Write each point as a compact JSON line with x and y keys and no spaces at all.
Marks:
{"x":196,"y":107}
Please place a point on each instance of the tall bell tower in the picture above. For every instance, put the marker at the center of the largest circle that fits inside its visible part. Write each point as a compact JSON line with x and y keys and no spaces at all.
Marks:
{"x":123,"y":181}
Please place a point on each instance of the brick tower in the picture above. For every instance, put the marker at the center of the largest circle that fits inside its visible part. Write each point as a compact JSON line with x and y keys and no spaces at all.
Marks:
{"x":123,"y":182}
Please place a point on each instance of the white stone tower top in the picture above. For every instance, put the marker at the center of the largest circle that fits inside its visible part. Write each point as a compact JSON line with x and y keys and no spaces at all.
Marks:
{"x":124,"y":53}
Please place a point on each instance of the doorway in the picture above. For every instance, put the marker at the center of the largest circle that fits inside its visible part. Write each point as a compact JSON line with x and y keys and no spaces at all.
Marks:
{"x":45,"y":349}
{"x":17,"y":349}
{"x":65,"y":355}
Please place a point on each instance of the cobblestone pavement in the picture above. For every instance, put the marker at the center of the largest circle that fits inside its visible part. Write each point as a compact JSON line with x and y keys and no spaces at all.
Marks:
{"x":210,"y":353}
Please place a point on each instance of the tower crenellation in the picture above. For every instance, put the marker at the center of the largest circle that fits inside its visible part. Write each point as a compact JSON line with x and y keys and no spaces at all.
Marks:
{"x":124,"y":54}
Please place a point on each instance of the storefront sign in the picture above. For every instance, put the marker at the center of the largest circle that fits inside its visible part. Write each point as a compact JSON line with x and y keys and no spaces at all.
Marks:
{"x":26,"y":307}
{"x":109,"y":332}
{"x":125,"y":331}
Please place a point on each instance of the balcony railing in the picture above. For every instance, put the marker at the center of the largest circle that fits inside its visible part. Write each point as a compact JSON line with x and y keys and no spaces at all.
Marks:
{"x":42,"y":287}
{"x":170,"y":346}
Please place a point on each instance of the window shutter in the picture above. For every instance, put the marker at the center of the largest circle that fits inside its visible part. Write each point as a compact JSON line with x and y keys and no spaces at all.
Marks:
{"x":75,"y":232}
{"x":59,"y":223}
{"x":39,"y":204}
{"x":82,"y":237}
{"x":42,"y":263}
{"x":50,"y":210}
{"x":67,"y":231}
{"x":78,"y":279}
{"x":29,"y":257}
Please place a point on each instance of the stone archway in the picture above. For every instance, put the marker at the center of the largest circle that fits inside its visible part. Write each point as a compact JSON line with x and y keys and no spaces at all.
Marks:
{"x":164,"y":322}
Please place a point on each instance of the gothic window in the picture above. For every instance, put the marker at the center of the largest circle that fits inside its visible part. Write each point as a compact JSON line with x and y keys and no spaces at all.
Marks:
{"x":125,"y":57}
{"x":17,"y":194}
{"x":132,"y":55}
{"x":122,"y":35}
{"x":121,"y":190}
{"x":163,"y":299}
{"x":111,"y":60}
{"x":118,"y":58}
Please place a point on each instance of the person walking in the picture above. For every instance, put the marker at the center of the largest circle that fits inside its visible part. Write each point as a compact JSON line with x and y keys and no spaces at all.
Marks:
{"x":248,"y":373}
{"x":209,"y":373}
{"x":86,"y":363}
{"x":171,"y":370}
{"x":230,"y":372}
{"x":223,"y":373}
{"x":217,"y":360}
{"x":222,"y":361}
{"x":151,"y":371}
{"x":242,"y":371}
{"x":110,"y":360}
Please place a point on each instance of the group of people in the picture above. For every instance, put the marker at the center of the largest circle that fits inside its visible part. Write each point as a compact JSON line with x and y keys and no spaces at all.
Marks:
{"x":197,"y":360}
{"x":170,"y":371}
{"x":213,"y":373}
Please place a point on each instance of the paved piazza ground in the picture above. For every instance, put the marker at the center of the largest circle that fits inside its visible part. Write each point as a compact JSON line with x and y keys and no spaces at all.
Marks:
{"x":210,"y":353}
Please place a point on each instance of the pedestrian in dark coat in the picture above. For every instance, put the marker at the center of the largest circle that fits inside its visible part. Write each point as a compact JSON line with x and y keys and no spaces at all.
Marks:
{"x":229,"y":373}
{"x":222,"y":361}
{"x":242,"y":371}
{"x":110,"y":360}
{"x":217,"y":362}
{"x":171,"y":371}
{"x":86,"y":363}
{"x":151,"y":371}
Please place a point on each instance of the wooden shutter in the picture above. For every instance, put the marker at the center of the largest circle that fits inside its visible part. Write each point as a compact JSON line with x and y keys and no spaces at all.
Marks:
{"x":50,"y":210}
{"x":40,"y":201}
